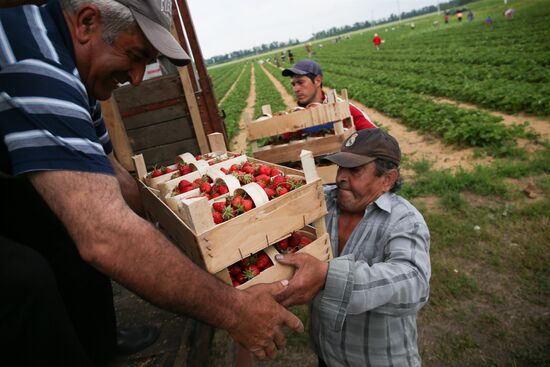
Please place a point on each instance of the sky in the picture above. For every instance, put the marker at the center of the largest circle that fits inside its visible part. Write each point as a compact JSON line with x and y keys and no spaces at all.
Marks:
{"x":224,"y":26}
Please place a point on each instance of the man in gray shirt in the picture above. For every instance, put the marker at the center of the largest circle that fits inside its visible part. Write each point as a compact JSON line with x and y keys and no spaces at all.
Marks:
{"x":366,"y":299}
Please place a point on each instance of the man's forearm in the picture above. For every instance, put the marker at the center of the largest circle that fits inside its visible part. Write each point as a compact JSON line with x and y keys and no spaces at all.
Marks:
{"x":128,"y":186}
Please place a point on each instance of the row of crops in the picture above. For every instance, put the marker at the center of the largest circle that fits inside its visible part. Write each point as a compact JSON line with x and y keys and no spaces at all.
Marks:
{"x":501,"y":67}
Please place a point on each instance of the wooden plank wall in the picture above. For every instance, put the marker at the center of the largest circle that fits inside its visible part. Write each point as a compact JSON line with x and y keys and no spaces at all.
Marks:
{"x":157,"y":120}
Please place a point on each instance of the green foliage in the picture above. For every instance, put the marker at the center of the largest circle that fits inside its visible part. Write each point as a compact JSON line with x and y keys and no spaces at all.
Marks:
{"x":266,"y":93}
{"x":223,"y":78}
{"x":236,"y":103}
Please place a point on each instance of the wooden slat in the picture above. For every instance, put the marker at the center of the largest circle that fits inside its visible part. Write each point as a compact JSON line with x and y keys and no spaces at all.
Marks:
{"x":217,"y":142}
{"x":161,"y":134}
{"x":154,"y":117}
{"x":119,"y":138}
{"x":193,"y":109}
{"x":150,"y":91}
{"x":298,"y":120}
{"x":291,"y":152}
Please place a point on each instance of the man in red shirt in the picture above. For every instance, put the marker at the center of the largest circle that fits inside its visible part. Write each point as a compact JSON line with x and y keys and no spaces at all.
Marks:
{"x":307,"y":82}
{"x":377,"y":41}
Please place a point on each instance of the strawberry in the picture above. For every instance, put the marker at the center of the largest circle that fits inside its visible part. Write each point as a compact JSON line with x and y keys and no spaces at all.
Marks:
{"x":183,"y":184}
{"x":249,"y":260}
{"x":249,"y":169}
{"x":278,"y":180}
{"x":270,"y":192}
{"x":251,"y":271}
{"x":247,"y":204}
{"x":264,"y":170}
{"x":281,"y":190}
{"x":234,"y":269}
{"x":233,"y":168}
{"x":156,"y":172}
{"x":199,"y":157}
{"x":218,"y":206}
{"x":228,"y":213}
{"x":274,"y":172}
{"x":223,"y":189}
{"x":305,"y":241}
{"x":295,"y":239}
{"x":240,"y":278}
{"x":236,"y":201}
{"x":262,"y":178}
{"x":263,"y":261}
{"x":283,"y":244}
{"x":189,"y":188}
{"x":224,"y":170}
{"x":235,"y":283}
{"x":205,"y":187}
{"x":262,"y":184}
{"x":168,"y":170}
{"x":217,"y":216}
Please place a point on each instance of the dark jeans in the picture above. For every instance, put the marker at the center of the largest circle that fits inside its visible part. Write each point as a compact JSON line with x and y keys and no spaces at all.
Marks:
{"x":36,"y":248}
{"x":322,"y":363}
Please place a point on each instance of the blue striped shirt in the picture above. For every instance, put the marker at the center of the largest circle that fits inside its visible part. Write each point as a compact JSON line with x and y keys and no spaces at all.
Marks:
{"x":47,"y":119}
{"x":366,"y":314}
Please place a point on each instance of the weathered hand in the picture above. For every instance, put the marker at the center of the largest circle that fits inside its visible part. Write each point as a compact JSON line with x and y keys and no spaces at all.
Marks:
{"x":259,"y":324}
{"x":308,"y":280}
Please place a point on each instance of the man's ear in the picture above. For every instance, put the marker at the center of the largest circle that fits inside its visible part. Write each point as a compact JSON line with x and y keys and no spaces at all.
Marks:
{"x":318,"y":80}
{"x":389,"y":179}
{"x":88,"y":22}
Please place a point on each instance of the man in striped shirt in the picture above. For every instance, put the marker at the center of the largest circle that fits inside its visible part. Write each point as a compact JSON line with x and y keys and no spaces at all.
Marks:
{"x":366,"y":299}
{"x":66,"y":219}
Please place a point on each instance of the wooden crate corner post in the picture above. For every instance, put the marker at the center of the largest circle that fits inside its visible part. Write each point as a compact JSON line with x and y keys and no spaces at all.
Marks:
{"x":139,"y":165}
{"x":217,"y":142}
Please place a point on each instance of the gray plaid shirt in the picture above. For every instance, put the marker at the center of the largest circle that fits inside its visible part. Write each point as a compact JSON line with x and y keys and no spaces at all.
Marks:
{"x":366,"y":314}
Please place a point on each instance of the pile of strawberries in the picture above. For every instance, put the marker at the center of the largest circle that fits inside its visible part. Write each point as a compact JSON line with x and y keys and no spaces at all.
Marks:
{"x":180,"y":170}
{"x":292,"y":244}
{"x":234,"y":205}
{"x":206,"y":187}
{"x":249,"y":267}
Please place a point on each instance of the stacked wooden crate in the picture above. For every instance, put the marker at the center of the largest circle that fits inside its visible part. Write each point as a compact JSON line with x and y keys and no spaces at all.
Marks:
{"x":189,"y":223}
{"x":271,"y":126}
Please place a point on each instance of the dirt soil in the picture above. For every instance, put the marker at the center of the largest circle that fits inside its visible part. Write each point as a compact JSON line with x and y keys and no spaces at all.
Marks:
{"x":239,"y":142}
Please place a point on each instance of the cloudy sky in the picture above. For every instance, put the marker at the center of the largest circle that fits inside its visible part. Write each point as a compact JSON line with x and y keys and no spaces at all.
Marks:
{"x":224,"y":26}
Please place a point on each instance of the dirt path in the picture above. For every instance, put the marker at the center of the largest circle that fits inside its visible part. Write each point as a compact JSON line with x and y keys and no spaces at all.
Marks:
{"x":418,"y":147}
{"x":228,"y":93}
{"x":540,"y":125}
{"x":287,"y":98}
{"x":238,"y":144}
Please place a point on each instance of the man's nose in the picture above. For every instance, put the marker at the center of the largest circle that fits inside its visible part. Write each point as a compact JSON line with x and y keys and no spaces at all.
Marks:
{"x":136,"y":74}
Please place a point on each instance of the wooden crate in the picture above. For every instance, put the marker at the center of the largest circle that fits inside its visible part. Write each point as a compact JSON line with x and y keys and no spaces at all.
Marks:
{"x":335,"y":111}
{"x":215,"y":247}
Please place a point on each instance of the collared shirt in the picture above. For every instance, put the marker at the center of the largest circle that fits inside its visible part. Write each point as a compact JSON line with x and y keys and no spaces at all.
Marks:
{"x":47,"y":119}
{"x":366,"y":314}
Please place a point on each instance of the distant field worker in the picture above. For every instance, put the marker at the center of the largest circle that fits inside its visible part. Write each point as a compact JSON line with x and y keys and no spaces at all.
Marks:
{"x":309,"y":49}
{"x":376,"y":40}
{"x":470,"y":16}
{"x":446,"y":18}
{"x":488,"y":20}
{"x":307,"y":82}
{"x":459,"y":16}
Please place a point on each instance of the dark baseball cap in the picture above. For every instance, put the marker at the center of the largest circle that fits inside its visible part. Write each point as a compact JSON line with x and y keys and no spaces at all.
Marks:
{"x":365,"y":146}
{"x":304,"y":67}
{"x":154,"y":18}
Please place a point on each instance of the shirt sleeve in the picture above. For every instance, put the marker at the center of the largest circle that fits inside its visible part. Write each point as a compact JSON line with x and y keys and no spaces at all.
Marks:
{"x":360,"y":119}
{"x":396,"y":285}
{"x":47,"y":123}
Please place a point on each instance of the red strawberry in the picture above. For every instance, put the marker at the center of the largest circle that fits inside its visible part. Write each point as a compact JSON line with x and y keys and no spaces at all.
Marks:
{"x":249,"y":169}
{"x":224,"y":170}
{"x":262,"y":184}
{"x":235,"y":283}
{"x":168,"y":170}
{"x":233,"y":168}
{"x":264,"y":170}
{"x":263,"y":261}
{"x":295,"y":239}
{"x":240,"y":278}
{"x":281,"y":190}
{"x":247,"y":204}
{"x":234,"y":269}
{"x":228,"y":213}
{"x":199,"y":157}
{"x":205,"y":187}
{"x":156,"y":172}
{"x":270,"y":192}
{"x":217,"y":217}
{"x":223,"y":189}
{"x":283,"y":244}
{"x":189,"y":188}
{"x":236,"y":201}
{"x":274,"y":172}
{"x":183,"y":184}
{"x":305,"y":241}
{"x":218,"y":206}
{"x":278,"y":180}
{"x":262,"y":178}
{"x":251,"y":271}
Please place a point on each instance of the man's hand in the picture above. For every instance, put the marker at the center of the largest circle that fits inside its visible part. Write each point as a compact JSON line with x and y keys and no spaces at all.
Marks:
{"x":258,"y":326}
{"x":308,"y":280}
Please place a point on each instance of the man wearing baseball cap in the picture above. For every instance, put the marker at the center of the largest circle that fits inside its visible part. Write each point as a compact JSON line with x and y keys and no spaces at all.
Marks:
{"x":307,"y":81}
{"x":70,"y":214}
{"x":366,"y":299}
